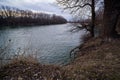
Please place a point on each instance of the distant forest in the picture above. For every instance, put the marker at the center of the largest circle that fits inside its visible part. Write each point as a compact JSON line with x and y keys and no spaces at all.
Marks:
{"x":10,"y":16}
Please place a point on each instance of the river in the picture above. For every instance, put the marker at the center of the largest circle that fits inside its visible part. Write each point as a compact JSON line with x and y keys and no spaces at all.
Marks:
{"x":51,"y":43}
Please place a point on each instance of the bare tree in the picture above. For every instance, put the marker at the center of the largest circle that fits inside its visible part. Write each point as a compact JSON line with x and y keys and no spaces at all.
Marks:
{"x":81,"y":6}
{"x":14,"y":17}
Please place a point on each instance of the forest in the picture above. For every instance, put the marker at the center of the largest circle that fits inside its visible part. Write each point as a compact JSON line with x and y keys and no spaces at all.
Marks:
{"x":10,"y":16}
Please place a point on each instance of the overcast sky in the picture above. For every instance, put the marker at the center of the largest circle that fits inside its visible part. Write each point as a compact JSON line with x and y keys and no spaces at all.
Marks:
{"x":48,"y":6}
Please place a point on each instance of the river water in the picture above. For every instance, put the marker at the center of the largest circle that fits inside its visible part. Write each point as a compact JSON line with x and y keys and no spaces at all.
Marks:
{"x":52,"y":44}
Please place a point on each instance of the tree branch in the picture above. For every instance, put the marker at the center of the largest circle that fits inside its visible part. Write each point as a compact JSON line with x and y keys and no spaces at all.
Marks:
{"x":81,"y":6}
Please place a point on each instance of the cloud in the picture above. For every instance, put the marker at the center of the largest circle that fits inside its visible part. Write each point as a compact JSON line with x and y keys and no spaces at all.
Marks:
{"x":48,"y":6}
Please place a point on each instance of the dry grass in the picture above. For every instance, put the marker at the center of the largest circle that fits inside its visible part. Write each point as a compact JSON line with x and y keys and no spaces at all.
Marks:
{"x":28,"y":68}
{"x":96,"y":61}
{"x":29,"y":58}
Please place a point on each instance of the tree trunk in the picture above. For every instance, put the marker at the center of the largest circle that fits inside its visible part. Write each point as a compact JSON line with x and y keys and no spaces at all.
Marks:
{"x":93,"y":18}
{"x":114,"y":33}
{"x":110,"y":19}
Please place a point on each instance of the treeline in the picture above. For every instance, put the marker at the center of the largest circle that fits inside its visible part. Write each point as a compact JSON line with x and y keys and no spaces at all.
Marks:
{"x":10,"y":16}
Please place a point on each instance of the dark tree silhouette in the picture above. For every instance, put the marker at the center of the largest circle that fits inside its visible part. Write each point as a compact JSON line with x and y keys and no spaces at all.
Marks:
{"x":14,"y":17}
{"x":111,"y":16}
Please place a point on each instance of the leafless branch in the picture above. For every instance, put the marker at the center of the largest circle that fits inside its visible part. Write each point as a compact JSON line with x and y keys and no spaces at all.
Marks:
{"x":81,"y":6}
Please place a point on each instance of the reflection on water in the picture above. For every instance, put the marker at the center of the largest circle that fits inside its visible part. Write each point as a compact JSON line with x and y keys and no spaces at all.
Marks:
{"x":52,"y":43}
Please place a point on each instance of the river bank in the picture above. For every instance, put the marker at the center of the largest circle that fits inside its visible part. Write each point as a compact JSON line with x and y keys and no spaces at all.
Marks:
{"x":96,"y":60}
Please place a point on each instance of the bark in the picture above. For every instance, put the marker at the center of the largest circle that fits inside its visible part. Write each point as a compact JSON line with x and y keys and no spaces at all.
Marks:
{"x":110,"y":19}
{"x":93,"y":18}
{"x":114,"y":33}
